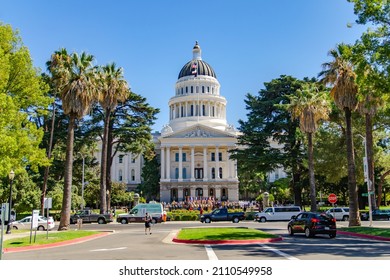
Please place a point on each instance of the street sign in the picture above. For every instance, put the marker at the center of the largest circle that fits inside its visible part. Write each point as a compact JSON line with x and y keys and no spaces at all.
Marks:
{"x":332,"y":198}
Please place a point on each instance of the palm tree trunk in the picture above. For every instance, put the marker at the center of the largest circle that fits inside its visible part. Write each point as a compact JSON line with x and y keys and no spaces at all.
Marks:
{"x":313,"y":202}
{"x":67,"y":197}
{"x":370,"y":158}
{"x":354,"y":218}
{"x":109,"y":165}
{"x":103,"y":168}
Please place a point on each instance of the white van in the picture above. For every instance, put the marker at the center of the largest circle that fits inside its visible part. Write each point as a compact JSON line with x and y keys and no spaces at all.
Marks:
{"x":137,"y":214}
{"x":277,"y":213}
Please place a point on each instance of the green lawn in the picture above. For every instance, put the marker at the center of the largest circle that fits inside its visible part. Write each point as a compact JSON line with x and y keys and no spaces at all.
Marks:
{"x":384,"y":232}
{"x":55,"y":236}
{"x":222,"y":234}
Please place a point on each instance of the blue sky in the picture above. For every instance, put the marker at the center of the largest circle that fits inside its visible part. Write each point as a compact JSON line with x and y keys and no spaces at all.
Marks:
{"x":246,"y":42}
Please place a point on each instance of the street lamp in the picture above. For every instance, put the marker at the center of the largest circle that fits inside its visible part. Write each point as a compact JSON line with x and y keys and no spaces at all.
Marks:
{"x":11,"y":177}
{"x":367,"y":178}
{"x":108,"y":194}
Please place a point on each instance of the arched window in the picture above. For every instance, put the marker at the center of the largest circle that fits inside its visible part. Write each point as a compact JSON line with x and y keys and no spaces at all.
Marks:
{"x":176,"y":173}
{"x":132,"y":175}
{"x":213,"y":173}
{"x":220,"y":173}
{"x":184,"y":173}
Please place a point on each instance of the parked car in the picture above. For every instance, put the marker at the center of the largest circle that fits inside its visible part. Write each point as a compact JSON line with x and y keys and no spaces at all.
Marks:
{"x":377,"y":215}
{"x":222,"y":214}
{"x":340,"y":213}
{"x":25,"y":223}
{"x":13,"y":217}
{"x":88,"y":216}
{"x":311,"y":224}
{"x":277,"y":213}
{"x":137,"y":214}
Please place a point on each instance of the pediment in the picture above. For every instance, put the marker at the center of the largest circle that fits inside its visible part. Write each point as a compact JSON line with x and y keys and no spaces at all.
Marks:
{"x":199,"y":131}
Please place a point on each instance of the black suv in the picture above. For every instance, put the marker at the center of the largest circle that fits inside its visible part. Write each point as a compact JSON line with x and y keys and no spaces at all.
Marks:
{"x":311,"y":224}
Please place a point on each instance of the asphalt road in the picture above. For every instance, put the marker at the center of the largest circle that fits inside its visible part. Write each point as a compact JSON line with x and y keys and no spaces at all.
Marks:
{"x":129,"y":242}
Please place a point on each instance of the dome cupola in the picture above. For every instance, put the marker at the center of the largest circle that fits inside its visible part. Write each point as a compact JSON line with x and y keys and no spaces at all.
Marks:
{"x":197,"y":66}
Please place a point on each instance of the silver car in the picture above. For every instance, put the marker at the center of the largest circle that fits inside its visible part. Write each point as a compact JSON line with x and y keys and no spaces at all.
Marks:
{"x":340,"y":213}
{"x":25,"y":223}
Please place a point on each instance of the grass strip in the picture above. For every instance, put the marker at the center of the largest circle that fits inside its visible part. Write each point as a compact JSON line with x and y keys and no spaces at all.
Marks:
{"x":222,"y":234}
{"x":41,"y":238}
{"x":383,"y":232}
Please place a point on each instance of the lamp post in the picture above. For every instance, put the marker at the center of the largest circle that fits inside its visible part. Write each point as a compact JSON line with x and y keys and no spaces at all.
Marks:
{"x":108,"y":194}
{"x":367,"y":179}
{"x":11,"y":177}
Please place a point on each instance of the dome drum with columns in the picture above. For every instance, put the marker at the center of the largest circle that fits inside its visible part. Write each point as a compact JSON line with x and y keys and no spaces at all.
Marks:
{"x":194,"y":146}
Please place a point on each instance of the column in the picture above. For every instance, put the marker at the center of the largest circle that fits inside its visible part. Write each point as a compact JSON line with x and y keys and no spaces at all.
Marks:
{"x":218,"y":193}
{"x":168,"y":166}
{"x":217,"y":162}
{"x":179,"y":194}
{"x":162,"y":162}
{"x":192,"y":163}
{"x":205,"y":167}
{"x":180,"y":163}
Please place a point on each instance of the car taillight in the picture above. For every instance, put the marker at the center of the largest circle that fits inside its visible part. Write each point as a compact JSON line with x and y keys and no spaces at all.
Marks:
{"x":334,"y":220}
{"x":314,"y":220}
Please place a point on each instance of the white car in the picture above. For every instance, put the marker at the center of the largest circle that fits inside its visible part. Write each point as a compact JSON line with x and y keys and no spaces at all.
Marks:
{"x":25,"y":223}
{"x":339,"y":213}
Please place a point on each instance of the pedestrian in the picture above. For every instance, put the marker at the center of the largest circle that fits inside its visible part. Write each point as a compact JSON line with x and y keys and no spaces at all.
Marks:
{"x":148,"y":221}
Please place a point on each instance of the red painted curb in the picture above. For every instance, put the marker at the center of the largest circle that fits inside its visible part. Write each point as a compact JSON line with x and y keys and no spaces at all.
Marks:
{"x":380,"y":238}
{"x":214,"y":242}
{"x":57,"y":244}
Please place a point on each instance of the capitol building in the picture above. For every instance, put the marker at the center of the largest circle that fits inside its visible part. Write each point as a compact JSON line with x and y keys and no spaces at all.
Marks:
{"x":193,"y":148}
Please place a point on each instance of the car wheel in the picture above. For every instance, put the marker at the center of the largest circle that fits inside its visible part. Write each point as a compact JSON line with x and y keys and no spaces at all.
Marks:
{"x":290,"y":231}
{"x":207,"y":221}
{"x":124,"y":221}
{"x":332,"y":235}
{"x":41,"y":228}
{"x":263,"y":220}
{"x":236,"y":220}
{"x":14,"y":227}
{"x":308,"y":232}
{"x":345,"y":218}
{"x":101,"y":221}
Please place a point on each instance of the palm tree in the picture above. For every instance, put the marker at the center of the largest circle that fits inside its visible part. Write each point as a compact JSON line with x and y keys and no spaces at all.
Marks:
{"x":309,"y":105}
{"x":113,"y":88}
{"x":340,"y":74}
{"x":75,"y":79}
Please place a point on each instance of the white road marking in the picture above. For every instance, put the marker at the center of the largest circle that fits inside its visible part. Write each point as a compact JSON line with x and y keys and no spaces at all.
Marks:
{"x":210,"y":253}
{"x":111,"y":249}
{"x":287,"y":256}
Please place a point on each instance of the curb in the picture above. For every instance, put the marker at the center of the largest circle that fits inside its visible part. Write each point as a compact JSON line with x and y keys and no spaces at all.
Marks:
{"x":216,"y":242}
{"x":57,"y":244}
{"x":354,"y":234}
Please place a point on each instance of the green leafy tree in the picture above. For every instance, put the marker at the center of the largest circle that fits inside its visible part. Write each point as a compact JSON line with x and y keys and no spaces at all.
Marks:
{"x":22,"y":98}
{"x":340,"y":74}
{"x":150,"y":185}
{"x":267,"y":122}
{"x":309,"y":105}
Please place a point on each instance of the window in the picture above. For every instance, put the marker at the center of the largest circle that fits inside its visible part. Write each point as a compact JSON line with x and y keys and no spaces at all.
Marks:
{"x":132,"y":175}
{"x":192,"y":89}
{"x":220,"y":173}
{"x":212,"y":156}
{"x":213,"y":173}
{"x":203,"y":110}
{"x":186,"y":89}
{"x":184,"y":173}
{"x":176,"y":173}
{"x":132,"y":160}
{"x":120,"y":175}
{"x":202,"y":89}
{"x":184,"y":157}
{"x":120,"y":158}
{"x":220,"y":156}
{"x":192,"y":110}
{"x":176,"y":157}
